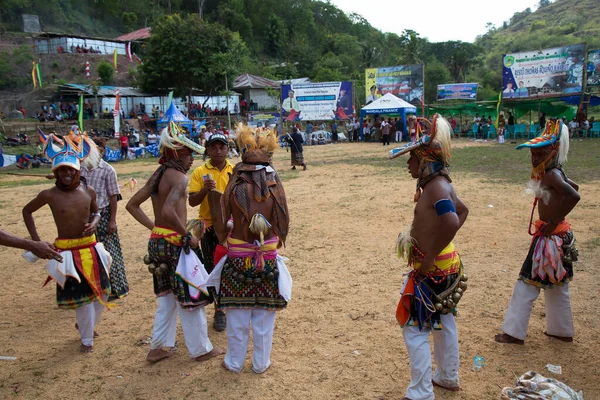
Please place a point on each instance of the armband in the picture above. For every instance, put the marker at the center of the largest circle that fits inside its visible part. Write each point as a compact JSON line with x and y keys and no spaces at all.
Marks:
{"x":96,"y":214}
{"x":444,"y":206}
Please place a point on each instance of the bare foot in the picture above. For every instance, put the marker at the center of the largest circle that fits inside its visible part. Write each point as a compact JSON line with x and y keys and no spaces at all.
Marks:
{"x":213,"y":353}
{"x":504,"y":338}
{"x":95,"y":333}
{"x":86,"y":349}
{"x":155,"y":355}
{"x":563,"y":338}
{"x":452,"y":389}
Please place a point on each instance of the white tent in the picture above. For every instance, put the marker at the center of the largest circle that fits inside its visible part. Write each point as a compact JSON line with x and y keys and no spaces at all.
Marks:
{"x":388,"y":104}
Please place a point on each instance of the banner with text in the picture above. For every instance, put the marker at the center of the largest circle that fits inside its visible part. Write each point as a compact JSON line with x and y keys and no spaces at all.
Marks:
{"x":316,"y":101}
{"x":454,"y":91}
{"x":547,"y":73}
{"x":404,"y":81}
{"x":593,"y":71}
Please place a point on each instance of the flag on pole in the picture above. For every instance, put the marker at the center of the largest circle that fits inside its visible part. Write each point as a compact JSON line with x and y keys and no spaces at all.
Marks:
{"x":117,"y":113}
{"x":87,"y":69}
{"x":115,"y":59}
{"x":39,"y":74}
{"x":34,"y":75}
{"x":498,"y":109}
{"x":169,"y":99}
{"x":80,"y":119}
{"x":128,"y":51}
{"x":138,"y":59}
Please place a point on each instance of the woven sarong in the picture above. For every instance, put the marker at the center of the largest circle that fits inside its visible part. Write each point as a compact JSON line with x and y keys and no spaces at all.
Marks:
{"x":118,"y":278}
{"x":297,"y":158}
{"x":250,"y":277}
{"x":164,"y":246}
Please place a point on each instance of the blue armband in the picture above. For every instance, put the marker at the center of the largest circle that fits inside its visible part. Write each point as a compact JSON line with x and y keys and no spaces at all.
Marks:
{"x":444,"y":206}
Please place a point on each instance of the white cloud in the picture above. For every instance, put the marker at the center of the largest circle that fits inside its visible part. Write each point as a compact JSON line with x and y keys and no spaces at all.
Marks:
{"x":437,"y":20}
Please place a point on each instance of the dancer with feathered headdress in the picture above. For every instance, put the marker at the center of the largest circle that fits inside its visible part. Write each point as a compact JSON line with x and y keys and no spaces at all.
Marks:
{"x":82,"y":276}
{"x":549,"y":263}
{"x":436,"y":282}
{"x":252,"y":280}
{"x":173,"y":265}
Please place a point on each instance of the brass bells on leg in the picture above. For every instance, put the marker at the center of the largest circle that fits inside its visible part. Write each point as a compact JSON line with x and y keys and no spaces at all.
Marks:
{"x":160,"y":269}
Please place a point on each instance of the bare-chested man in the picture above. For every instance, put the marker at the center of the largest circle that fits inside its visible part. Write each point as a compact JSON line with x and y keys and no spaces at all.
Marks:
{"x":549,"y":264}
{"x":168,"y":190}
{"x":83,"y":274}
{"x":436,"y":282}
{"x":252,"y":280}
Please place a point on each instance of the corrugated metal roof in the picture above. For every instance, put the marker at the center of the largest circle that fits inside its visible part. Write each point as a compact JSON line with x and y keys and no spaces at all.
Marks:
{"x":140,"y":34}
{"x":107,"y":90}
{"x":248,"y":81}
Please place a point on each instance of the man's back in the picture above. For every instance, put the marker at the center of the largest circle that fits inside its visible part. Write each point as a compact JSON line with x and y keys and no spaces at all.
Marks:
{"x":172,"y":192}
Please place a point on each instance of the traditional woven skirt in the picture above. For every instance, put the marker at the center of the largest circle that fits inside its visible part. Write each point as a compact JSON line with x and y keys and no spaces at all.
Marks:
{"x":243,"y":287}
{"x":297,"y":158}
{"x":160,"y":251}
{"x":118,"y":278}
{"x":85,"y":260}
{"x":569,"y":256}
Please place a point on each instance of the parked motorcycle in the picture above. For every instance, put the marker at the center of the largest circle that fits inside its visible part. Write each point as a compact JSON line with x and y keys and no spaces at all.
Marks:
{"x":20,"y":140}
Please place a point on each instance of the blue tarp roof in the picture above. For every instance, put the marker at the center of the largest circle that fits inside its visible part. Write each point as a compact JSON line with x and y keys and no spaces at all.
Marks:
{"x":174,"y":115}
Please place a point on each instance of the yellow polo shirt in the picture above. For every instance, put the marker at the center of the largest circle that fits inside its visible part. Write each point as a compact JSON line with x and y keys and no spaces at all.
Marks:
{"x":197,"y":183}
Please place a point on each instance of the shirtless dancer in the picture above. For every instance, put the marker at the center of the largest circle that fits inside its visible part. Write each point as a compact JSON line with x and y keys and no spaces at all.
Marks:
{"x":549,"y":263}
{"x":83,"y":275}
{"x":168,"y":190}
{"x":436,"y":266}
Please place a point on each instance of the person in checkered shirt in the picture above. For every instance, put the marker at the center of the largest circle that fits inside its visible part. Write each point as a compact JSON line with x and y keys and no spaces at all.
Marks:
{"x":103,"y":178}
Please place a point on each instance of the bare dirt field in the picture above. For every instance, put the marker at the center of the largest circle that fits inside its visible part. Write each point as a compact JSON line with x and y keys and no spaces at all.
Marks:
{"x":338,"y":338}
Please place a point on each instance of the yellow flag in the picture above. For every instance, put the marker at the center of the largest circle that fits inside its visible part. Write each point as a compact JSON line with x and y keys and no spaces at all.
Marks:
{"x":33,"y":75}
{"x":115,"y":59}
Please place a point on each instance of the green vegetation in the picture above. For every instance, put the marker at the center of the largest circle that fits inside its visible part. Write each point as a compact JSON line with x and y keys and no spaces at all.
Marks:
{"x":195,"y":44}
{"x":106,"y":72}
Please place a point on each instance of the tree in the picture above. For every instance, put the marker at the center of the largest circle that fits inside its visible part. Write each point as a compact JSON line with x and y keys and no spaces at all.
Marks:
{"x":276,"y":34}
{"x":544,"y":3}
{"x":187,"y":53}
{"x":435,"y":74}
{"x":106,"y":72}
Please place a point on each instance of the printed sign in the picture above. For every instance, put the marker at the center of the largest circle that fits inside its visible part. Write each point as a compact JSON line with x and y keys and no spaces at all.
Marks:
{"x":404,"y":81}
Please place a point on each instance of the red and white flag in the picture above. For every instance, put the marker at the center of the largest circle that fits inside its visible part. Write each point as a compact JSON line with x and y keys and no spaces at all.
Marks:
{"x":87,"y":69}
{"x":117,"y":113}
{"x":128,"y":51}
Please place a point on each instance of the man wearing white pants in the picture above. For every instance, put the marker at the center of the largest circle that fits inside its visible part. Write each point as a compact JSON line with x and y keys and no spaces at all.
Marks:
{"x":436,"y":282}
{"x":549,"y":263}
{"x":445,"y":350}
{"x":87,"y":317}
{"x":193,"y":324}
{"x":238,"y":332}
{"x":252,"y":277}
{"x":559,"y":319}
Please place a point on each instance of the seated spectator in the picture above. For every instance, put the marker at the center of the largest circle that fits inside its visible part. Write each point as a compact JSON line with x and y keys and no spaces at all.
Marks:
{"x":35,"y":163}
{"x":23,"y":162}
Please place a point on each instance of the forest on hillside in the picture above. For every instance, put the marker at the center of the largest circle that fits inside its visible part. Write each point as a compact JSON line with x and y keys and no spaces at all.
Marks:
{"x":283,"y":39}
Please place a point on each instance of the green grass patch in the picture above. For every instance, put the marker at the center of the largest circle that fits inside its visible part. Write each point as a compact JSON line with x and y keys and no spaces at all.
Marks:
{"x":26,"y":182}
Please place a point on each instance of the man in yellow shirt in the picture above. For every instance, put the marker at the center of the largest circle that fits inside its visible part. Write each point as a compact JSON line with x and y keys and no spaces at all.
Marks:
{"x":214,"y":174}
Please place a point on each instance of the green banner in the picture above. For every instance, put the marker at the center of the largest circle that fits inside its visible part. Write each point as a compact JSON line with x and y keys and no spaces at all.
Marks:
{"x":39,"y":74}
{"x":80,"y":119}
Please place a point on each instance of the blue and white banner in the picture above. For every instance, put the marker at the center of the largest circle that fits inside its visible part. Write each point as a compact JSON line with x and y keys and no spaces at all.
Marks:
{"x":454,"y":91}
{"x":324,"y":101}
{"x":543,"y":73}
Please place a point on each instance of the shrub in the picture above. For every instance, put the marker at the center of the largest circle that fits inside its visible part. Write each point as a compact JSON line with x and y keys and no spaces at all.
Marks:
{"x":105,"y":72}
{"x":54,"y":64}
{"x":538,"y":25}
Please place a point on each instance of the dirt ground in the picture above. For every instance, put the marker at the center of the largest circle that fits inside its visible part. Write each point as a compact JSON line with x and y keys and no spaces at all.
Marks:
{"x":339,"y":337}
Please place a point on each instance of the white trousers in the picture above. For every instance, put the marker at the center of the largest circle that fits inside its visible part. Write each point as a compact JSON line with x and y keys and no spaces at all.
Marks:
{"x":559,"y":319}
{"x":445,"y":350}
{"x":88,"y":317}
{"x":193,"y":324}
{"x":238,"y":332}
